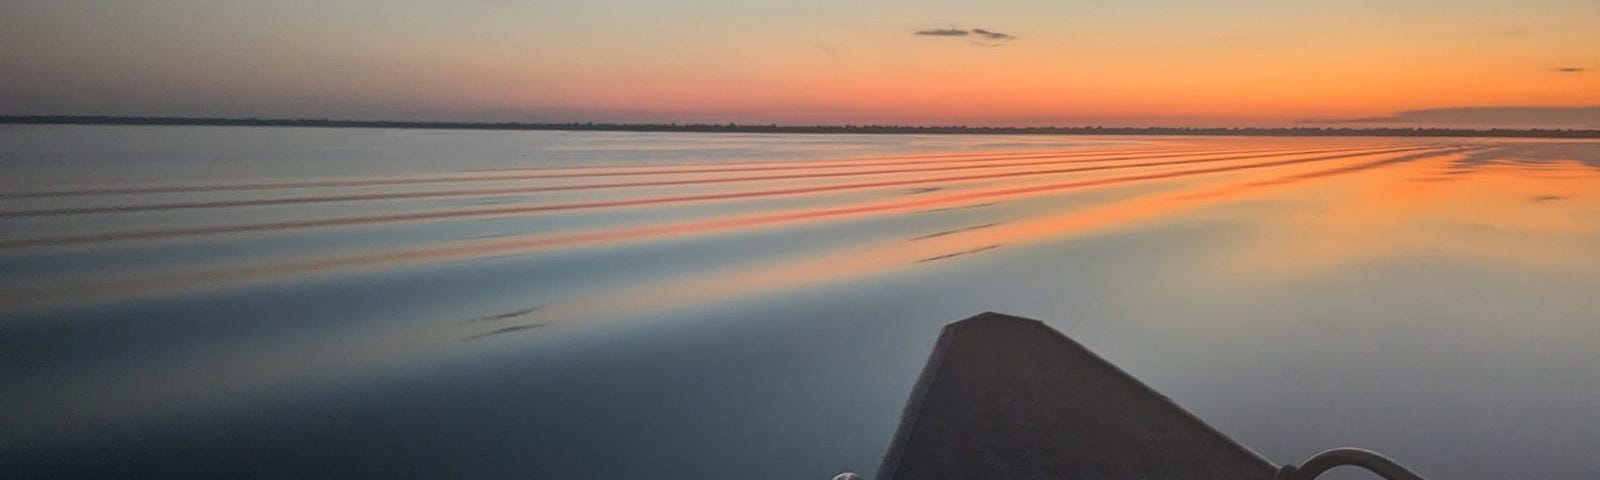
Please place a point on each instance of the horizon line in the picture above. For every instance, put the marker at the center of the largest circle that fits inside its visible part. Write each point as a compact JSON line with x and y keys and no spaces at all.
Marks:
{"x":848,"y":128}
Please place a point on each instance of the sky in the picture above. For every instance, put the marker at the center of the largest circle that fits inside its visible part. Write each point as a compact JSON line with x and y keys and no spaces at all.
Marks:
{"x":1472,"y":63}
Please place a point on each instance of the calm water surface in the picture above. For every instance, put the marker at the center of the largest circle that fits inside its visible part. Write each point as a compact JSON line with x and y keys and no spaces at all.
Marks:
{"x":277,"y":302}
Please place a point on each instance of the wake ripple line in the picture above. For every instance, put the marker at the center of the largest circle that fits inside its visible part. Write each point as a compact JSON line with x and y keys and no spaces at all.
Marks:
{"x":50,"y":212}
{"x":864,"y":162}
{"x":520,"y":245}
{"x":159,"y":234}
{"x":432,"y":179}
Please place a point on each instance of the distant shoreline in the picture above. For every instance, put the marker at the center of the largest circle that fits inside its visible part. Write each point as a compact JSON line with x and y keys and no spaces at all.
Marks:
{"x":811,"y":129}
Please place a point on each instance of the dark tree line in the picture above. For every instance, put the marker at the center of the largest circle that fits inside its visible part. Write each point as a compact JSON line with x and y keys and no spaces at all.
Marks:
{"x":773,"y":128}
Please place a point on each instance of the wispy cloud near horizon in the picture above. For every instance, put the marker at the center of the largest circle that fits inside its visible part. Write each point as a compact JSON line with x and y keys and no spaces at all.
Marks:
{"x":1508,"y":117}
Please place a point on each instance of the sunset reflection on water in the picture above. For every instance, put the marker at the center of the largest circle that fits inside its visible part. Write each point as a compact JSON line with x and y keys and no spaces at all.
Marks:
{"x":1354,"y":289}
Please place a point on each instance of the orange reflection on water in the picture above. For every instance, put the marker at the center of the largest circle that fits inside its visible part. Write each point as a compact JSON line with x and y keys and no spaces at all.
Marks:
{"x":1542,"y":214}
{"x":900,"y":255}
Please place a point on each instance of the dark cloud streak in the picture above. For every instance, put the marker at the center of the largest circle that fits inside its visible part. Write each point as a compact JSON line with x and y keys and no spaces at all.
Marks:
{"x":1572,"y":69}
{"x":992,"y":35}
{"x":986,"y":38}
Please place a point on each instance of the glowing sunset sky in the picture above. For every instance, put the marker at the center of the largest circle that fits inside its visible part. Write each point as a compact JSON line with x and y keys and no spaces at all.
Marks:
{"x":1217,"y":62}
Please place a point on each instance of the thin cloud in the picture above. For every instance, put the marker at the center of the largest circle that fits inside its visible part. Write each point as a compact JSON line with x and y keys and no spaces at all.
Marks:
{"x":992,"y":35}
{"x":944,"y":32}
{"x":985,"y":38}
{"x":1572,"y":69}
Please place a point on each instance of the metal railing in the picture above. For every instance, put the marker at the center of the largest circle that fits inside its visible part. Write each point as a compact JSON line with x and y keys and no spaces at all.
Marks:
{"x":1370,"y":460}
{"x":1316,"y":465}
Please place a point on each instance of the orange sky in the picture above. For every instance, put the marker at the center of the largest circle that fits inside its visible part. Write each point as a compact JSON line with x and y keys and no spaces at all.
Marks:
{"x":1217,"y":62}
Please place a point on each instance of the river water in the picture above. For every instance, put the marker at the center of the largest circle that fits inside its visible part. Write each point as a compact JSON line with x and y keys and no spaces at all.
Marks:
{"x":234,"y":302}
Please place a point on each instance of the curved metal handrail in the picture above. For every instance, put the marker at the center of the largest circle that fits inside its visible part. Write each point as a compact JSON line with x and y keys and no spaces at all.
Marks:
{"x":1370,"y":460}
